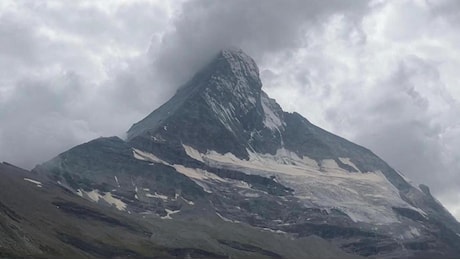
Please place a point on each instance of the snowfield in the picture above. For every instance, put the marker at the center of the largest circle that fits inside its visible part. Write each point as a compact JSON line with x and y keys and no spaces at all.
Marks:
{"x":96,"y":196}
{"x":363,"y":196}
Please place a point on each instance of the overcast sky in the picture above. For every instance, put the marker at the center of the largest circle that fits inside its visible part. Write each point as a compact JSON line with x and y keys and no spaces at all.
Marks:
{"x":384,"y":74}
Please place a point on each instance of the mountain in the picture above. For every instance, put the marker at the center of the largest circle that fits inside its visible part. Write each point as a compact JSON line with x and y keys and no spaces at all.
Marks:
{"x":220,"y":151}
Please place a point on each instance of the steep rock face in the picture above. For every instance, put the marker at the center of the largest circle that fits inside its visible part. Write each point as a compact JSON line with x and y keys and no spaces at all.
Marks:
{"x":215,"y":110}
{"x":224,"y":109}
{"x":221,"y":147}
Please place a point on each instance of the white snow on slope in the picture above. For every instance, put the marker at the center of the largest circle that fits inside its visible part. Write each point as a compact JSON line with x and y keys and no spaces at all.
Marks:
{"x":193,"y":153}
{"x":189,"y":202}
{"x":365,"y":197}
{"x":169,"y":213}
{"x":194,"y":174}
{"x":95,"y":196}
{"x":144,"y":156}
{"x":156,"y":195}
{"x":116,"y":180}
{"x":39,"y":184}
{"x":274,"y":231}
{"x":412,"y":232}
{"x":348,"y":162}
{"x":120,"y":205}
{"x":329,"y":165}
{"x":226,"y":219}
{"x":197,"y":174}
{"x":271,"y":120}
{"x":201,"y":177}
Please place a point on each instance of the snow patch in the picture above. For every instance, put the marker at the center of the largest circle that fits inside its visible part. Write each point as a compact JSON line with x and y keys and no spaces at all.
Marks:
{"x":203,"y":185}
{"x":242,"y":185}
{"x":189,"y":202}
{"x":226,"y":219}
{"x":271,"y":120}
{"x":169,"y":213}
{"x":156,"y":195}
{"x":144,"y":156}
{"x":274,"y":231}
{"x":191,"y":152}
{"x":364,"y":197}
{"x":413,"y":232}
{"x":198,"y":174}
{"x":194,"y":174}
{"x":95,"y":196}
{"x":348,"y":162}
{"x":120,"y":205}
{"x":158,"y":139}
{"x":330,"y":165}
{"x":116,"y":180}
{"x":39,"y":184}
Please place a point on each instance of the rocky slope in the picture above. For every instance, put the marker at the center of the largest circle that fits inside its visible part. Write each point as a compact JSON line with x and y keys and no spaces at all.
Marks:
{"x":42,"y":219}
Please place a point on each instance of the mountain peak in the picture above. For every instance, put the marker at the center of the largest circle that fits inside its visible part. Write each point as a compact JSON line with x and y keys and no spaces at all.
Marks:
{"x":229,"y":86}
{"x":236,"y":67}
{"x":241,"y":64}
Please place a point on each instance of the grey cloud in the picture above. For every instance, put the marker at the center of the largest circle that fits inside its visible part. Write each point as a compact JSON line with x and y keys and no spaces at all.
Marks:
{"x":259,"y":27}
{"x":445,"y":9}
{"x":129,"y":25}
{"x":66,"y":70}
{"x":47,"y":115}
{"x":20,"y":45}
{"x":37,"y":120}
{"x":397,"y":123}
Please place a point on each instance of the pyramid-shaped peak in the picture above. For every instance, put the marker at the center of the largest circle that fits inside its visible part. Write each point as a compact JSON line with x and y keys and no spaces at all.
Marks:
{"x":228,"y":88}
{"x":241,"y":64}
{"x":237,"y":55}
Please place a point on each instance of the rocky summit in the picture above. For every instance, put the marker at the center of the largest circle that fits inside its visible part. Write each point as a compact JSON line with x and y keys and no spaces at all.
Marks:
{"x":220,"y":170}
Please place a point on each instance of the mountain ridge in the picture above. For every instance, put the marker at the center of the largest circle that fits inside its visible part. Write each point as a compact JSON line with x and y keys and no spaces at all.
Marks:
{"x":221,"y":147}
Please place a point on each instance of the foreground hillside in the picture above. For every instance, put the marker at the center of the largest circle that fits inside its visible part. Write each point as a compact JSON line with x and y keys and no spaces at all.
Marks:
{"x":41,"y":219}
